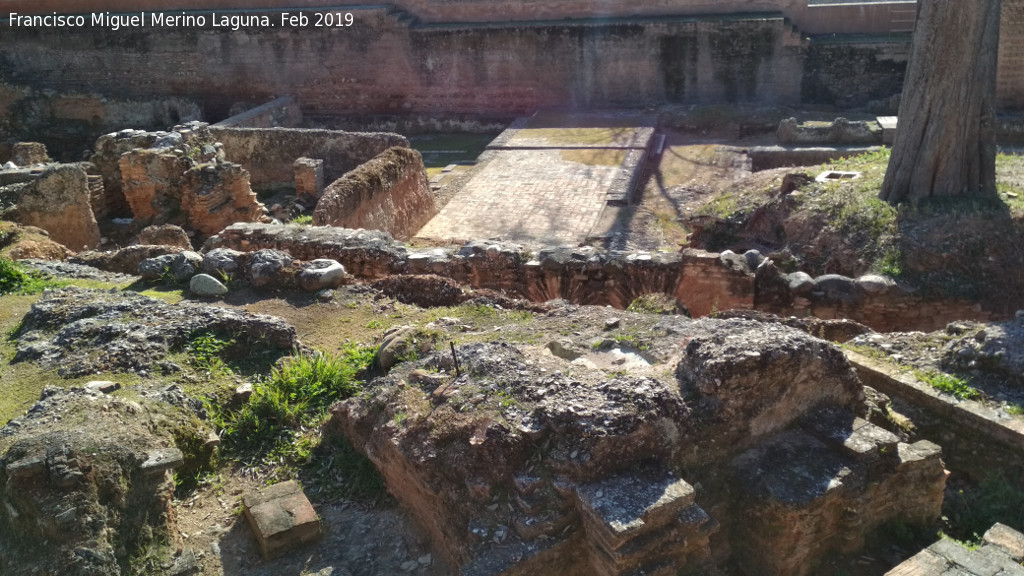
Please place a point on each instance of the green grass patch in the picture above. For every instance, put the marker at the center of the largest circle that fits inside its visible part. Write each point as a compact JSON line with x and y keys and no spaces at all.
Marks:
{"x":948,"y":384}
{"x":294,"y":396}
{"x":722,"y":206}
{"x":206,"y":351}
{"x":869,"y":351}
{"x":303,"y":220}
{"x":15,"y":279}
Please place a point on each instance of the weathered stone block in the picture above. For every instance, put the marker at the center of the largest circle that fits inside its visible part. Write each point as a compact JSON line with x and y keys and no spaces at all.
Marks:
{"x":165,"y":235}
{"x":625,"y":506}
{"x":162,"y":460}
{"x":281,"y":518}
{"x":1006,"y":538}
{"x":321,"y":273}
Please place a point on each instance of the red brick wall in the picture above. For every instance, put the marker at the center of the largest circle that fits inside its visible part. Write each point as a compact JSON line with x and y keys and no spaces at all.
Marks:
{"x":380,"y":66}
{"x":1011,"y":55}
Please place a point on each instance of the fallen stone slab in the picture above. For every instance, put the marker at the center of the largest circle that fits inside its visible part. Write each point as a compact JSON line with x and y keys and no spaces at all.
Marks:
{"x":162,"y":460}
{"x":281,"y":518}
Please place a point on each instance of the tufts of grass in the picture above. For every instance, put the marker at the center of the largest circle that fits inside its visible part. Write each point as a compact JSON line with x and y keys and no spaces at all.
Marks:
{"x":15,"y":280}
{"x":303,"y":220}
{"x":206,"y":351}
{"x":295,"y":396}
{"x":722,"y":206}
{"x":948,"y":384}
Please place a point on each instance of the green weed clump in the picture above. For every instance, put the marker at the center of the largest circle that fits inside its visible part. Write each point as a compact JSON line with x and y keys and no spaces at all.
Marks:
{"x":294,"y":396}
{"x":948,"y":384}
{"x":15,"y":280}
{"x":206,"y":350}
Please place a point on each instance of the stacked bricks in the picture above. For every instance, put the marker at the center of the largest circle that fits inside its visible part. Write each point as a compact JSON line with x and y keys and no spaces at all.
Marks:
{"x":309,"y":178}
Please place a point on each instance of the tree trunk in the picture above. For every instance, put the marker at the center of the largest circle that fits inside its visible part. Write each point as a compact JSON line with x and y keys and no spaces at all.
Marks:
{"x":945,"y":141}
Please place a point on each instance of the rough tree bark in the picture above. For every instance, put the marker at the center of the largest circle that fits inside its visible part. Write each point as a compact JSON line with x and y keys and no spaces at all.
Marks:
{"x":945,"y":143}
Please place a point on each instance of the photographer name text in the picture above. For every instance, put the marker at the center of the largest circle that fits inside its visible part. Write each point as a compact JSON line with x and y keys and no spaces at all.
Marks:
{"x":116,"y":21}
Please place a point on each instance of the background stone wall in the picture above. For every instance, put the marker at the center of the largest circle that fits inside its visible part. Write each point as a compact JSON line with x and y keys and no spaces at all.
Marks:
{"x":269,"y":154}
{"x":382,"y":66}
{"x":69,"y":122}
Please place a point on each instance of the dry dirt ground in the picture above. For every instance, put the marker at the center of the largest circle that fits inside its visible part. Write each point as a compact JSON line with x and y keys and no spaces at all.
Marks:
{"x":360,"y":538}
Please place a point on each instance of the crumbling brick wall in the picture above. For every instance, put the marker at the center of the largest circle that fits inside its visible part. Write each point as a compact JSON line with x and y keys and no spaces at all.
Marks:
{"x":165,"y":186}
{"x":388,"y":193}
{"x":58,"y":202}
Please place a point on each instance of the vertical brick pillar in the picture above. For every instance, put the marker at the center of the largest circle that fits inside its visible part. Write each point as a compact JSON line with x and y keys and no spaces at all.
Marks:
{"x":309,"y":178}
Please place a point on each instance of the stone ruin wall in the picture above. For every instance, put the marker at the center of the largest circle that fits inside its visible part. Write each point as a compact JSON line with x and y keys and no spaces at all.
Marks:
{"x":703,"y":282}
{"x":283,"y":112}
{"x":382,"y":66}
{"x":389,"y":193}
{"x":820,"y":485}
{"x":822,"y":19}
{"x":387,"y":64}
{"x":269,"y":154}
{"x":977,"y":440}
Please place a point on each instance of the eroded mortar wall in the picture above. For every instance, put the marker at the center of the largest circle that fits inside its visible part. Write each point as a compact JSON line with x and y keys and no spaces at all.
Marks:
{"x":486,"y":57}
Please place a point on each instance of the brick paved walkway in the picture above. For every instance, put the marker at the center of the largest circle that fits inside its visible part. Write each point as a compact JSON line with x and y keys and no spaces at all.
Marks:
{"x":527,"y":196}
{"x":546,"y":180}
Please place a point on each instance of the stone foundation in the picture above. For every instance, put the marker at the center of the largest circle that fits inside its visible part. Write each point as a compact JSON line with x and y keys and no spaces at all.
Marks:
{"x":564,"y":468}
{"x":703,"y":282}
{"x":977,"y":440}
{"x":1001,"y":552}
{"x":184,"y":180}
{"x":309,"y":178}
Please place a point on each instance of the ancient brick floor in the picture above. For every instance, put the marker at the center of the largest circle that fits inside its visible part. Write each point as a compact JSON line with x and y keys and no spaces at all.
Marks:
{"x":542,"y":186}
{"x":529,"y":196}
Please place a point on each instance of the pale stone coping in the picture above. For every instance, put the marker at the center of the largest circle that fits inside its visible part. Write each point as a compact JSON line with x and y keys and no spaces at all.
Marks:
{"x":889,"y":379}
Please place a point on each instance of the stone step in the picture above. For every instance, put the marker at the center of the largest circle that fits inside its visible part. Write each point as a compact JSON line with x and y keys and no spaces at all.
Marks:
{"x":1000,"y":555}
{"x":626,"y":506}
{"x":672,"y":544}
{"x":546,"y":524}
{"x":851,"y":435}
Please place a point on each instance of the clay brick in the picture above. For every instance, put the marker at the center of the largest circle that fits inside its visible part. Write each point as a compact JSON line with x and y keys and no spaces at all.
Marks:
{"x":281,"y":518}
